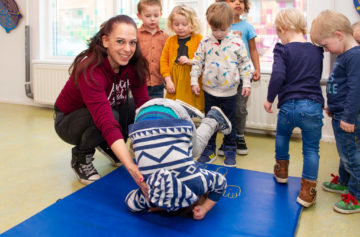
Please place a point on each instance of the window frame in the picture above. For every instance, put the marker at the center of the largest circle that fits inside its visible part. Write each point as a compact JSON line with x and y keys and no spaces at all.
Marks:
{"x":39,"y":26}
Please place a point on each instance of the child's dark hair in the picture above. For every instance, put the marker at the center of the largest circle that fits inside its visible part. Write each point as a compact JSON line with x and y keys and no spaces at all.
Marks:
{"x":186,"y":212}
{"x":246,"y":5}
{"x":96,"y":52}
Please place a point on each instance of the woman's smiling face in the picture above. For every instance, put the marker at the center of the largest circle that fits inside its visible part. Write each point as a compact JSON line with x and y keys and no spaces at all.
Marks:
{"x":120,"y":44}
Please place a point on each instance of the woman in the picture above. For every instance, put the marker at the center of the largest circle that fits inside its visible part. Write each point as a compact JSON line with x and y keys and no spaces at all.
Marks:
{"x":93,"y":109}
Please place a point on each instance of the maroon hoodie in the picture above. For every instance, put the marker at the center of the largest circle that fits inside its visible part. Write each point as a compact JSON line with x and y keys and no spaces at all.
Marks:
{"x":97,"y":95}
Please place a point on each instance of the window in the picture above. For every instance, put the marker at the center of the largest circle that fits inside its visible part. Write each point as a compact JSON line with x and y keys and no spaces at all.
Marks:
{"x":262,"y":16}
{"x":70,"y":23}
{"x":73,"y":22}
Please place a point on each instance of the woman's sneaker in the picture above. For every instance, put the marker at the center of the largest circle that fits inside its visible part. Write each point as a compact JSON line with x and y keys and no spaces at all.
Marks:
{"x":193,"y":112}
{"x":348,"y":205}
{"x":224,"y":123}
{"x":334,"y":186}
{"x":208,"y":155}
{"x":108,"y":153}
{"x":83,"y":167}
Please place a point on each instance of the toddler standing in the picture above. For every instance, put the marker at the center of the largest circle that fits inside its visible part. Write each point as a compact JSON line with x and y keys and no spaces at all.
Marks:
{"x":175,"y":62}
{"x":222,"y":60}
{"x":332,"y":30}
{"x":151,"y":41}
{"x":248,"y":34}
{"x":295,"y":79}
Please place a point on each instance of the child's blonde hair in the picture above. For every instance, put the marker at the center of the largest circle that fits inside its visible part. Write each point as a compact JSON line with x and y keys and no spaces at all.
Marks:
{"x":190,"y":15}
{"x":356,"y":25}
{"x":327,"y":23}
{"x":219,"y":15}
{"x":142,"y":3}
{"x":246,"y":5}
{"x":290,"y":19}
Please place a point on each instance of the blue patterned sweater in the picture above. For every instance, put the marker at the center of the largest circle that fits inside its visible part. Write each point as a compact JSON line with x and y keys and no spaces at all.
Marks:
{"x":163,"y":153}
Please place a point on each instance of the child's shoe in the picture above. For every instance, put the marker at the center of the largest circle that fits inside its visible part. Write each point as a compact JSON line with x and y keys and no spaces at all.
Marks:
{"x":193,"y":112}
{"x":224,"y":123}
{"x":241,"y":147}
{"x":281,"y":171}
{"x":347,"y":205}
{"x":230,"y":156}
{"x":208,"y":155}
{"x":307,"y":193}
{"x":334,"y":186}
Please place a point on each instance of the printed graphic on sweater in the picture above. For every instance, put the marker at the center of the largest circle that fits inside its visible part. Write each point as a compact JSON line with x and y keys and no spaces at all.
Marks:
{"x":121,"y":92}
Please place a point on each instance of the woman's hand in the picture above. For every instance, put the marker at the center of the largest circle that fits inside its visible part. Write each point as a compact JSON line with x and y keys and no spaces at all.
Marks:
{"x":169,"y":85}
{"x":121,"y":151}
{"x":139,"y":179}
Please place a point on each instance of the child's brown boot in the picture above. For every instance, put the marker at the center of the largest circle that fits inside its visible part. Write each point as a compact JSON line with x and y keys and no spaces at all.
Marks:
{"x":307,"y":193}
{"x":281,"y":171}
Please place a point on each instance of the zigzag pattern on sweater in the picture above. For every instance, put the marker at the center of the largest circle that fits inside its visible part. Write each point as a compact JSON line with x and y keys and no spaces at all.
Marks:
{"x":144,"y":154}
{"x":161,"y":130}
{"x":163,"y":147}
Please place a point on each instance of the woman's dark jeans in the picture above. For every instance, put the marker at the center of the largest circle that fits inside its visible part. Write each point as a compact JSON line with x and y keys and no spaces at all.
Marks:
{"x":78,"y":128}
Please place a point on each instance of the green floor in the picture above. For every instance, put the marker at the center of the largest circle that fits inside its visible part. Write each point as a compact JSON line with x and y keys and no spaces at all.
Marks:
{"x":35,"y":171}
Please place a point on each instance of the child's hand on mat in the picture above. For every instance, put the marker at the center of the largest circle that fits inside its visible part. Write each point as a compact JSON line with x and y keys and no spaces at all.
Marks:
{"x":169,"y":85}
{"x":267,"y":106}
{"x":196,"y":89}
{"x":347,"y":127}
{"x":199,"y":212}
{"x":246,"y":91}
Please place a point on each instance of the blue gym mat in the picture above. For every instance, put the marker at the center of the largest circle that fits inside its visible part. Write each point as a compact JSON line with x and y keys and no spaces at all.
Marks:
{"x":253,"y":205}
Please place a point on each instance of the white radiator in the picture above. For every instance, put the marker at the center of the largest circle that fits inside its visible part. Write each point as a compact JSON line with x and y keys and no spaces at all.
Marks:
{"x":47,"y":82}
{"x":49,"y":79}
{"x":259,"y":119}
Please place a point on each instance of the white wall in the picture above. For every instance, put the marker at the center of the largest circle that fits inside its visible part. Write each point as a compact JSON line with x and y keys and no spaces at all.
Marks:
{"x":12,"y":62}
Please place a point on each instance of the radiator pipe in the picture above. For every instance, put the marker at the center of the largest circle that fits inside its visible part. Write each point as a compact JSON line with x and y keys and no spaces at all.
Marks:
{"x":28,"y":91}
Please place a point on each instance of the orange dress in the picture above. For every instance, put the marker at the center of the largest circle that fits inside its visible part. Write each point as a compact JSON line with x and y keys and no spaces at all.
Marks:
{"x":180,"y":74}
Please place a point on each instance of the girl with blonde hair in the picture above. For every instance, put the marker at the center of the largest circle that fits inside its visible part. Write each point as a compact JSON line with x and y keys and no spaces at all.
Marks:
{"x":177,"y":55}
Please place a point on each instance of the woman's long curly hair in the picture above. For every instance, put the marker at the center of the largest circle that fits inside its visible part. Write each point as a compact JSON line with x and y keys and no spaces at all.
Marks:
{"x":96,"y":52}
